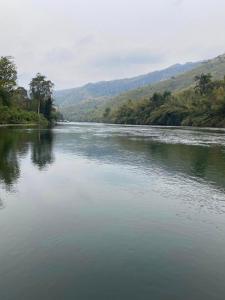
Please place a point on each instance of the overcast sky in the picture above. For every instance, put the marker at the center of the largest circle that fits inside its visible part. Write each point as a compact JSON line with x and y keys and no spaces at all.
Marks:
{"x":78,"y":41}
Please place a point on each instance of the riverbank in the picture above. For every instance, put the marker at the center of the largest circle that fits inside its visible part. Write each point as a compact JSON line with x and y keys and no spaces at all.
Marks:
{"x":16,"y":116}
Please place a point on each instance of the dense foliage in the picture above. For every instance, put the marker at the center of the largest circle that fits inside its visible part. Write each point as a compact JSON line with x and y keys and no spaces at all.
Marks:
{"x":16,"y":115}
{"x":202,"y":105}
{"x":16,"y":106}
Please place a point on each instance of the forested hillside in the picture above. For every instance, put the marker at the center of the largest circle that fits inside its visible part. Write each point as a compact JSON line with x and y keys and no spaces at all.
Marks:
{"x":102,"y":91}
{"x":95,"y":111}
{"x":201,"y":105}
{"x":216,"y":67}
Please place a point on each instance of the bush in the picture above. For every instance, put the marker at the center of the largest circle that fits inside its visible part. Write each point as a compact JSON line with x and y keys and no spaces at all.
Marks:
{"x":18,"y":116}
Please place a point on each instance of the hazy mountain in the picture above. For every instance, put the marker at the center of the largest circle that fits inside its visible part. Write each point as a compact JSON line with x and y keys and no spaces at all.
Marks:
{"x":215,"y":66}
{"x":103,"y":90}
{"x":88,"y":110}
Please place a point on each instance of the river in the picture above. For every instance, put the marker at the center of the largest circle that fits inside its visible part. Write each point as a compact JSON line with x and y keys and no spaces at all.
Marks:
{"x":94,"y":211}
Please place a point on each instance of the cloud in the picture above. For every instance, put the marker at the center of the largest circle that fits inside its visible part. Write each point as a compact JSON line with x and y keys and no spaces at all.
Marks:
{"x":77,"y":41}
{"x":178,"y":2}
{"x":118,"y":60}
{"x":85,"y":41}
{"x":59,"y":55}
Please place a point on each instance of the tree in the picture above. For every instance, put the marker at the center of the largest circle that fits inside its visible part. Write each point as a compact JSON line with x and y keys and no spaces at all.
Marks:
{"x":8,"y":74}
{"x":158,"y":99}
{"x":4,"y":97}
{"x":20,"y":98}
{"x":22,"y":92}
{"x":48,"y":109}
{"x":106,"y":112}
{"x":41,"y":90}
{"x":204,"y":83}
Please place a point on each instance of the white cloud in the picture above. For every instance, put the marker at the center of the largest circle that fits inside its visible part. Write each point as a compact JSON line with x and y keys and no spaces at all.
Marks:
{"x":78,"y":41}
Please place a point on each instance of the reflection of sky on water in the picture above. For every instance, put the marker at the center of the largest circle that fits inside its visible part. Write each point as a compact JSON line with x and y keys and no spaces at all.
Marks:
{"x":111,"y":211}
{"x":147,"y":158}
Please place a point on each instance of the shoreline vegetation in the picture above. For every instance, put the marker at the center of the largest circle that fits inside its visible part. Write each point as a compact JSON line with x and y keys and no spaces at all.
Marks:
{"x":17,"y":116}
{"x":202,"y":105}
{"x":19,"y":106}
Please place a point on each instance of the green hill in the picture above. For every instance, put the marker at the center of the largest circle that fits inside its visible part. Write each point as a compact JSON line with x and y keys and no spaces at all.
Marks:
{"x":93,"y":109}
{"x":214,"y":66}
{"x":107,"y":89}
{"x":92,"y":95}
{"x":202,"y":105}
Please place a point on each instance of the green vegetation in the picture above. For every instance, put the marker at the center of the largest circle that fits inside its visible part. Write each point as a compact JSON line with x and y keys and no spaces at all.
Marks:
{"x":92,"y":110}
{"x":16,"y":107}
{"x":16,"y":115}
{"x":201,"y":105}
{"x":79,"y":103}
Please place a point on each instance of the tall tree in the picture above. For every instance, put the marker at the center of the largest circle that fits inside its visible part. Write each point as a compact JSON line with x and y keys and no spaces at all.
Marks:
{"x":8,"y":76}
{"x":204,"y":83}
{"x":48,"y":109}
{"x":41,"y":90}
{"x":20,"y":98}
{"x":8,"y":73}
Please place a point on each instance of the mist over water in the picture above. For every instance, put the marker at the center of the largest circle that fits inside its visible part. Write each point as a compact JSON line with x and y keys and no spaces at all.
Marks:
{"x":94,"y":211}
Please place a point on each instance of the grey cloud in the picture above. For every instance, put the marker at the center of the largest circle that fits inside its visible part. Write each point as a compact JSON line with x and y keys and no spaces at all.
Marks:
{"x":86,"y":40}
{"x":178,"y":2}
{"x":78,"y":41}
{"x":124,"y":60}
{"x":59,"y":55}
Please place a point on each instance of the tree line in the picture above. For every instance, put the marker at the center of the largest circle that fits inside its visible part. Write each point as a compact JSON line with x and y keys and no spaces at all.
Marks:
{"x":17,"y":105}
{"x":203,"y":104}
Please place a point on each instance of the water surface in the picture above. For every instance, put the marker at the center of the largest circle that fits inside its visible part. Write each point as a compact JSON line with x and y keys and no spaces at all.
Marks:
{"x":92,"y":211}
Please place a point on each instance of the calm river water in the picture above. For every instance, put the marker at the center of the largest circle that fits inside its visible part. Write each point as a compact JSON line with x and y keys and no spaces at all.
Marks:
{"x":109,"y":212}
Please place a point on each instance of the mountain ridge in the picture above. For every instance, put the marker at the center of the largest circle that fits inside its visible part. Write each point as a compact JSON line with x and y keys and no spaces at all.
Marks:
{"x":111,"y":88}
{"x":93,"y":109}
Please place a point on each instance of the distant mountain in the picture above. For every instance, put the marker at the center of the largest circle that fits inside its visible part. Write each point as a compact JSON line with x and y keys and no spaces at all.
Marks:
{"x":215,"y":66}
{"x":92,"y":109}
{"x":104,"y":90}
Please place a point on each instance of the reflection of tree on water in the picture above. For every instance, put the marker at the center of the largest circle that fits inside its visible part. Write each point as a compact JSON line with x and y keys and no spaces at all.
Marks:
{"x":1,"y":204}
{"x":9,"y":166}
{"x":42,"y":153}
{"x":14,"y":144}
